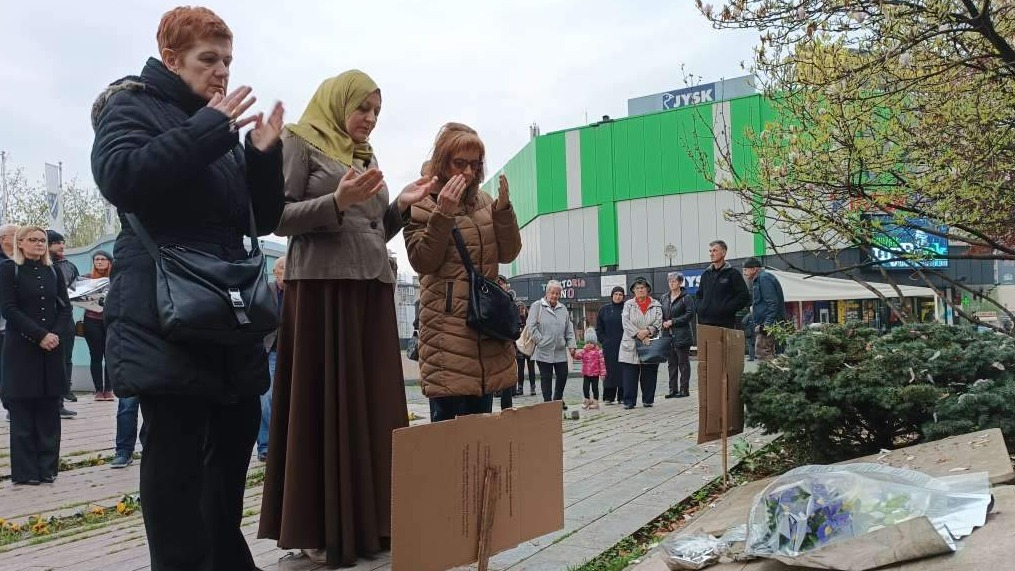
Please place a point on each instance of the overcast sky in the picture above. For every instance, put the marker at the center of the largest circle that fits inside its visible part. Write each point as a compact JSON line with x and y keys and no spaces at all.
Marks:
{"x":497,"y":66}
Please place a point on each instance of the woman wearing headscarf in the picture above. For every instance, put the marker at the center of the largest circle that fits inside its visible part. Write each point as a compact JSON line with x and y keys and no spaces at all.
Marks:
{"x":338,"y":391}
{"x":459,"y":370}
{"x":642,"y":319}
{"x":95,"y":330}
{"x":168,"y":150}
{"x":609,"y":331}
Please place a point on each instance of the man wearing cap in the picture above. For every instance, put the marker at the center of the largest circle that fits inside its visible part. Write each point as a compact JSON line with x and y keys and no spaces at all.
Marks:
{"x":66,"y":329}
{"x":768,"y":307}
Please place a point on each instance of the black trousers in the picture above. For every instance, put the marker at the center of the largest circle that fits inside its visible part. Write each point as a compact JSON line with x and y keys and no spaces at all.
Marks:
{"x":678,"y":364}
{"x":447,"y":408}
{"x":67,"y":347}
{"x":546,"y":374}
{"x":95,"y":336}
{"x":615,"y":376}
{"x":643,"y":376}
{"x":193,"y":477}
{"x":522,"y":361}
{"x":35,"y":438}
{"x":590,"y":383}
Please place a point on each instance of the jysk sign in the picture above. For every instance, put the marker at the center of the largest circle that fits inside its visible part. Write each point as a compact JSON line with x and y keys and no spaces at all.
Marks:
{"x":689,"y":96}
{"x":929,"y":250}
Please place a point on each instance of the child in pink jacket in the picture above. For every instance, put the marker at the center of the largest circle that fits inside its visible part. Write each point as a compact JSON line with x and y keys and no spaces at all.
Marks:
{"x":593,"y":369}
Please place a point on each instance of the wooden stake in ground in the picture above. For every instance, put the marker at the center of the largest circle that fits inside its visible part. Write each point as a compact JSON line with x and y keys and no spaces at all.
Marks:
{"x":724,"y":417}
{"x":486,"y":516}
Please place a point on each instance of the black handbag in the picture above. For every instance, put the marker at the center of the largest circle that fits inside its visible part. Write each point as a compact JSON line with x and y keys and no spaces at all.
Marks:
{"x":201,"y":298}
{"x":492,"y":312}
{"x":655,"y":351}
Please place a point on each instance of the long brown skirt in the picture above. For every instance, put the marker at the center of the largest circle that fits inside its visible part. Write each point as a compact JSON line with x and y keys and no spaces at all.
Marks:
{"x":338,"y":395}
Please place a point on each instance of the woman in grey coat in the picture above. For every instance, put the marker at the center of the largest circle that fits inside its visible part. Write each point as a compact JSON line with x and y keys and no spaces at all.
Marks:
{"x":642,"y":319}
{"x":550,"y":327}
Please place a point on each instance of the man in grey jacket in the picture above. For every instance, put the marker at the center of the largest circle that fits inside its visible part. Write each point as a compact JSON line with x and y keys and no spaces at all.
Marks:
{"x":549,"y":324}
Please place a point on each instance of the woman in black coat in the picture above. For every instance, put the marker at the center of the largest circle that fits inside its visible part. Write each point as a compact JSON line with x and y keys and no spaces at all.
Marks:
{"x":167,"y":150}
{"x":609,"y":331}
{"x":34,"y":301}
{"x":678,"y":324}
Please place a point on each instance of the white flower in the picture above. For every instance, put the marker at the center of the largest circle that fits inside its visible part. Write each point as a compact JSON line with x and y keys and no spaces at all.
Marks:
{"x":706,"y":9}
{"x":858,"y":16}
{"x":801,"y":13}
{"x":906,"y":60}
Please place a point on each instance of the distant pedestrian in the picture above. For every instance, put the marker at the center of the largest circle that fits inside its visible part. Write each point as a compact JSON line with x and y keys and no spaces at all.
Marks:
{"x":95,"y":330}
{"x":593,"y":369}
{"x":65,"y":328}
{"x":722,"y":291}
{"x":506,"y":395}
{"x":277,"y":289}
{"x":768,"y":307}
{"x":748,"y":325}
{"x":7,"y":232}
{"x":643,"y":320}
{"x":678,"y":325}
{"x":35,"y":303}
{"x":609,"y":332}
{"x":524,"y":361}
{"x":550,"y":326}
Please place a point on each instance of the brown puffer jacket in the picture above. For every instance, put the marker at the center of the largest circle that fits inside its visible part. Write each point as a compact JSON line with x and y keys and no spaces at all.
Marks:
{"x":453,"y":361}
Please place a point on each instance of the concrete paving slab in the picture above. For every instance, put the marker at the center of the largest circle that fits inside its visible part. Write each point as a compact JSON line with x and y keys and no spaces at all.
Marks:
{"x":982,"y":451}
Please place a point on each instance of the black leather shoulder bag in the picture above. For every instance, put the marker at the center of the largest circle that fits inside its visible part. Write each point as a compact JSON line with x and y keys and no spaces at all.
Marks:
{"x":201,"y":298}
{"x":492,"y":312}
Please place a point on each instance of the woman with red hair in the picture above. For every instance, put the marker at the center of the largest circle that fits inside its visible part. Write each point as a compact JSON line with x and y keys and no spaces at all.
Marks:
{"x":95,"y":330}
{"x":168,"y":152}
{"x":460,"y":371}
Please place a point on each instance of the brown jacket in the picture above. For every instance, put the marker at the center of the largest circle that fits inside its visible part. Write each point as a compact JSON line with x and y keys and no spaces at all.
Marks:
{"x":324,"y":244}
{"x":453,"y":360}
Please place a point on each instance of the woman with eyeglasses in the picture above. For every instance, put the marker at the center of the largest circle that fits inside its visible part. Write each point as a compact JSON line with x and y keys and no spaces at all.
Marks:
{"x":338,"y":392}
{"x":95,"y":330}
{"x":459,"y":370}
{"x":34,"y":303}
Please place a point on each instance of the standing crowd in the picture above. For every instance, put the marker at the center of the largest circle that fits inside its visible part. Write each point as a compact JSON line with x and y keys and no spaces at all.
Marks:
{"x":320,"y":391}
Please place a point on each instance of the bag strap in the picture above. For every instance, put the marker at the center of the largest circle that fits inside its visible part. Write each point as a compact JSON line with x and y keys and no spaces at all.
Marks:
{"x":462,"y":251}
{"x":153,"y":249}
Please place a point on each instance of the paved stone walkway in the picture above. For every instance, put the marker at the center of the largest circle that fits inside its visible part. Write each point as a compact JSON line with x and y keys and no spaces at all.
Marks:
{"x":622,"y":469}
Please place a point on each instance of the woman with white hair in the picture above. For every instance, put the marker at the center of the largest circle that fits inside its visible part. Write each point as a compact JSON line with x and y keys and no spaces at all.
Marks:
{"x":550,"y":327}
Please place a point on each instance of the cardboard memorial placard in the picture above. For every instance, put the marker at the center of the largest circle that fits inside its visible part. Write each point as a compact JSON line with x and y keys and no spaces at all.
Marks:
{"x":720,"y":353}
{"x":438,"y":474}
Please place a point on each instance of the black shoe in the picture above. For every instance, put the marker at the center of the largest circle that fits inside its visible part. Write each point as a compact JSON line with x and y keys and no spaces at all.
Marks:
{"x":565,"y":406}
{"x":532,"y":393}
{"x":646,"y":404}
{"x":48,"y":479}
{"x":26,"y":483}
{"x":64,"y":413}
{"x":628,"y":406}
{"x":70,"y":397}
{"x":671,"y":396}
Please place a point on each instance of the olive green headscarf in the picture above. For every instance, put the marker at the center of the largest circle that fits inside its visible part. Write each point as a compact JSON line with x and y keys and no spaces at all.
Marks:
{"x":323,"y":123}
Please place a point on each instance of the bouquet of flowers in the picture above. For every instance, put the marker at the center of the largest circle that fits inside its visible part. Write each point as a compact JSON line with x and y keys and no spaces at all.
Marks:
{"x":814,"y":506}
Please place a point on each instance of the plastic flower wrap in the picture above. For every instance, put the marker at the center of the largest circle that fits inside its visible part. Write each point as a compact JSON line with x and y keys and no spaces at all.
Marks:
{"x":814,"y":506}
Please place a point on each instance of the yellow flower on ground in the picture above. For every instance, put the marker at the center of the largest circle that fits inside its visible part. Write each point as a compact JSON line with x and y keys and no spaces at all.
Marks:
{"x":121,"y":507}
{"x":98,"y":510}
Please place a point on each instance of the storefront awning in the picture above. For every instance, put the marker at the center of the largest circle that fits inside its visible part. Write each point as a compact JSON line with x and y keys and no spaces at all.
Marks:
{"x":801,"y":287}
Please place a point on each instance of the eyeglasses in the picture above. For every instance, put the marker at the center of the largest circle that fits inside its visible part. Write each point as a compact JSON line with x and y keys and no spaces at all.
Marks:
{"x":34,"y":240}
{"x":460,"y":164}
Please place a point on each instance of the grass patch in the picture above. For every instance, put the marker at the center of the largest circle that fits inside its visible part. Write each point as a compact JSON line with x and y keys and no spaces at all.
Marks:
{"x":771,"y":460}
{"x":39,"y":529}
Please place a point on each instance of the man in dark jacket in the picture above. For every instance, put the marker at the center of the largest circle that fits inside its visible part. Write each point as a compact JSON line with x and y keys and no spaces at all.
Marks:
{"x":67,"y":334}
{"x":722,"y":291}
{"x":768,"y":307}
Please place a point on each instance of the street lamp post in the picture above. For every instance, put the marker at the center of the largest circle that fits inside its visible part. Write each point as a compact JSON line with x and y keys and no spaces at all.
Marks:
{"x":670,"y":251}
